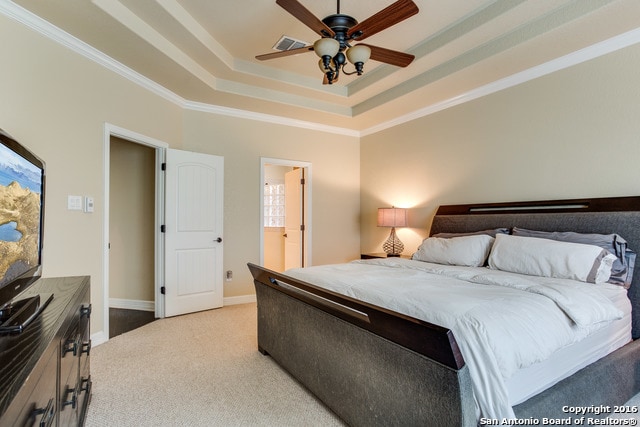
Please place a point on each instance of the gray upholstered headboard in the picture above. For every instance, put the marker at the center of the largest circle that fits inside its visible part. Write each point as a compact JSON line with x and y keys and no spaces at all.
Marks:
{"x":619,"y":215}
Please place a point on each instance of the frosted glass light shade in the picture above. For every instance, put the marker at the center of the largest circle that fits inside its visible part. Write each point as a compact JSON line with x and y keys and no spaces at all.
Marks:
{"x":326,"y":47}
{"x":359,"y":53}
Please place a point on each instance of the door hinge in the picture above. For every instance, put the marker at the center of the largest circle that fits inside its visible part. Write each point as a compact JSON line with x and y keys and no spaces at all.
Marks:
{"x":162,"y":290}
{"x":302,"y":181}
{"x":163,"y":166}
{"x":302,"y":227}
{"x":163,"y":228}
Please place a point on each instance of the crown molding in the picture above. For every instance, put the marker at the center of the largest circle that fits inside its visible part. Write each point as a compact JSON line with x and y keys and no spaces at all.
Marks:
{"x":268,"y":118}
{"x":32,"y":21}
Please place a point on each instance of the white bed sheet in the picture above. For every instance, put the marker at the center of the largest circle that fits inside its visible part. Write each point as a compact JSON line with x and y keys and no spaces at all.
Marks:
{"x":528,"y":382}
{"x":522,"y":320}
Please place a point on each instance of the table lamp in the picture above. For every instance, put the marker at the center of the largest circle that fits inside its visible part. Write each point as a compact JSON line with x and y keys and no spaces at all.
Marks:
{"x":392,"y":217}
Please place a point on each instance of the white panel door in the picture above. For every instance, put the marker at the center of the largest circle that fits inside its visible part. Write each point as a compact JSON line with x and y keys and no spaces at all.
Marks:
{"x":293,"y":218}
{"x":193,"y":232}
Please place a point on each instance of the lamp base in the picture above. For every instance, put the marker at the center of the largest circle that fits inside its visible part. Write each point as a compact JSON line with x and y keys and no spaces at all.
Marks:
{"x":393,"y":246}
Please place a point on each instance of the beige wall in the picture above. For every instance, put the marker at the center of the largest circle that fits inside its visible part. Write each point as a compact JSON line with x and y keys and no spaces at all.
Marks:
{"x":335,"y":169}
{"x":575,"y":133}
{"x":57,"y":103}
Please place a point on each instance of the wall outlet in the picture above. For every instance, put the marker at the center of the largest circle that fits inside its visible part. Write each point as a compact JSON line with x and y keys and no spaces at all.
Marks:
{"x":229,"y":275}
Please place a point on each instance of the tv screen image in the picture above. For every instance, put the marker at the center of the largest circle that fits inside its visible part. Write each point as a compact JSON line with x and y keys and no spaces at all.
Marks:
{"x":21,"y":217}
{"x":22,"y":195}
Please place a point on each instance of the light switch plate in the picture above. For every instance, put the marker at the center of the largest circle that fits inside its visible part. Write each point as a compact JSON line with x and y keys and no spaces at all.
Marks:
{"x":88,"y":204}
{"x":74,"y":203}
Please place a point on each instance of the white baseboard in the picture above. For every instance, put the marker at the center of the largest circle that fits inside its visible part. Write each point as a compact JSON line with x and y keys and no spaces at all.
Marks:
{"x":99,"y":338}
{"x":243,"y":299}
{"x":131,"y":304}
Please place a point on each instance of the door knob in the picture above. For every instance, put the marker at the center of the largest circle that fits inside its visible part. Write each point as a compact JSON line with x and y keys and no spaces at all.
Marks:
{"x":219,"y":239}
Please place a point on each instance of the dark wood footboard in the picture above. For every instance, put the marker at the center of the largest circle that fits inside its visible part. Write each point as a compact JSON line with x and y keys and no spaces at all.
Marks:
{"x":371,"y":366}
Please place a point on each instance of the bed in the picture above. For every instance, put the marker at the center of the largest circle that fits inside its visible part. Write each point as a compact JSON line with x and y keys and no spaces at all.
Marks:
{"x":376,"y":365}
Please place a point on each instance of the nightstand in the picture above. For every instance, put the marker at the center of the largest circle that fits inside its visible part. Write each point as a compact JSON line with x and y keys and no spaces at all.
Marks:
{"x":373,"y":255}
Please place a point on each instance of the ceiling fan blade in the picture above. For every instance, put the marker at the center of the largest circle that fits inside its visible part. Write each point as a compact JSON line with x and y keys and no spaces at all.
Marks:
{"x":284,"y":53}
{"x":388,"y":56}
{"x":307,"y":18}
{"x":391,"y":15}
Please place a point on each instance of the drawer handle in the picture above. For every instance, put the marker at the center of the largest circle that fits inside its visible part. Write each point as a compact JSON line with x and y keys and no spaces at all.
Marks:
{"x":85,"y":311}
{"x":73,"y":400}
{"x":48,"y":414}
{"x":86,"y":347}
{"x":85,"y":384}
{"x":70,"y":345}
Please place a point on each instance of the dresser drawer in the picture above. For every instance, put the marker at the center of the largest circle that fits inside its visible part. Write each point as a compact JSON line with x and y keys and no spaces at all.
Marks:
{"x":36,"y":402}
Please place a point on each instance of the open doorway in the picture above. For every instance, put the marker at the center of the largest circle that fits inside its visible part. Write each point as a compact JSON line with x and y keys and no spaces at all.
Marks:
{"x":131,"y":236}
{"x":285,"y":200}
{"x":133,"y":212}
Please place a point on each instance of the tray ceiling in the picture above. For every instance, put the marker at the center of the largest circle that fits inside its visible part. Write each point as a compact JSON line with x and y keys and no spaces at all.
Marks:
{"x":204,"y":51}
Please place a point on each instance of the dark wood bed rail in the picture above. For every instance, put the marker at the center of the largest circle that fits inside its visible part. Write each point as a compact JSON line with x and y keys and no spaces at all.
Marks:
{"x":427,"y":339}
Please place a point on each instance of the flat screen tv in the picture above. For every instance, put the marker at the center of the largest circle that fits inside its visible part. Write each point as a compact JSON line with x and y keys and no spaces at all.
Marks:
{"x":22,"y":185}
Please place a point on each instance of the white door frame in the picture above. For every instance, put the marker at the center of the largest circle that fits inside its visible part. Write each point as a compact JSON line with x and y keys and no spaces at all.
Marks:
{"x":160,"y":148}
{"x":307,"y":202}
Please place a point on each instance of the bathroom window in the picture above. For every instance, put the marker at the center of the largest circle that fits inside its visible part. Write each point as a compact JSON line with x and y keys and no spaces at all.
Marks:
{"x":274,"y":205}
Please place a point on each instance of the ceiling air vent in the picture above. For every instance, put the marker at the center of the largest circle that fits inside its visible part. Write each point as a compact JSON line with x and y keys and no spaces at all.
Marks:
{"x":288,"y":43}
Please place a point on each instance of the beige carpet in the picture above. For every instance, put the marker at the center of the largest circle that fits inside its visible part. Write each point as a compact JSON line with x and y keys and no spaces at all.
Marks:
{"x":200,"y":369}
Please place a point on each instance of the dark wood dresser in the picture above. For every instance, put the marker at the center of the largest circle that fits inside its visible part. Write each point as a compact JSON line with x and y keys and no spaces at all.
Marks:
{"x":44,"y":371}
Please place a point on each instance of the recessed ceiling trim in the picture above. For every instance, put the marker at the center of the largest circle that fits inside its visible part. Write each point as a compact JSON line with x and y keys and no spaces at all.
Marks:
{"x":491,"y":48}
{"x":294,"y":79}
{"x":130,"y":20}
{"x":187,"y":21}
{"x":613,"y":44}
{"x":268,"y":118}
{"x":281,"y":97}
{"x":138,"y":26}
{"x":458,"y":29}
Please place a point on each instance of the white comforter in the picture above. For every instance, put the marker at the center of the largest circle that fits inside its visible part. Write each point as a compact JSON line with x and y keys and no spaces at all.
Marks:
{"x":501,"y":321}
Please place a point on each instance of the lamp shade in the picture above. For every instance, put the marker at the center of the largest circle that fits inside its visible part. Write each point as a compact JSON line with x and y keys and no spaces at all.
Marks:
{"x":358,"y":54}
{"x":392,"y":217}
{"x":326,"y":47}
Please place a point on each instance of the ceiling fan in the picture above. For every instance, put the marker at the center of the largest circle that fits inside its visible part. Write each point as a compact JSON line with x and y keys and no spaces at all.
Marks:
{"x":337,"y":33}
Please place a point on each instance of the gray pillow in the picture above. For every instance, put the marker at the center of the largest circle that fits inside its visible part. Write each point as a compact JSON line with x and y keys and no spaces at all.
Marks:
{"x":622,"y":269}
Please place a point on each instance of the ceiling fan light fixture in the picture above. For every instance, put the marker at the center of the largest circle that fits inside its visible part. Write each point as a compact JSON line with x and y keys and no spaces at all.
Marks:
{"x":338,"y":30}
{"x":358,"y":55}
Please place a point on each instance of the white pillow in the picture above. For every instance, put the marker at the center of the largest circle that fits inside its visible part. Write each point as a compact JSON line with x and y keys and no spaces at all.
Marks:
{"x":551,"y":258}
{"x":469,"y":251}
